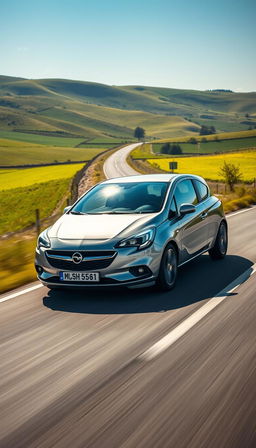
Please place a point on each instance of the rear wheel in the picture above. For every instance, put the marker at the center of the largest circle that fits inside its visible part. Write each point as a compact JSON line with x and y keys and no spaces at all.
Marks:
{"x":168,"y":269}
{"x":220,"y":247}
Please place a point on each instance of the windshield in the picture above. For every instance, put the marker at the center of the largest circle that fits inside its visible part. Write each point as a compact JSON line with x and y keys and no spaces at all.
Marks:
{"x":141,"y":197}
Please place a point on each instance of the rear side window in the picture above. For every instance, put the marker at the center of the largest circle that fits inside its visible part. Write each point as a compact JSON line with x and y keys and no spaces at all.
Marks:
{"x":202,"y":190}
{"x":185,"y":193}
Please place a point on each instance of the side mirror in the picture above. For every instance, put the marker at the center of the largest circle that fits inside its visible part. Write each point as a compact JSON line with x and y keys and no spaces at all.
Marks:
{"x":186,"y":209}
{"x":66,"y":209}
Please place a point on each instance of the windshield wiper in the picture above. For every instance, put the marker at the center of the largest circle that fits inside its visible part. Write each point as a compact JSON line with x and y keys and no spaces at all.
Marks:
{"x":77,"y":213}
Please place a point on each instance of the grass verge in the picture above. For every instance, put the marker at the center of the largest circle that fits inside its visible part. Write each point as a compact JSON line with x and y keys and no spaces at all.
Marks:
{"x":17,"y":262}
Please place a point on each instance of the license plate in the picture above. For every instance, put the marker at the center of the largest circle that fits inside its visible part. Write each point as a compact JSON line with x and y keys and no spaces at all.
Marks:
{"x":80,"y":276}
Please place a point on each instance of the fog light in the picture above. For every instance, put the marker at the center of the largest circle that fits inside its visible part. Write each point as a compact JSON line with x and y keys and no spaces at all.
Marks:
{"x":140,"y":271}
{"x":39,"y":269}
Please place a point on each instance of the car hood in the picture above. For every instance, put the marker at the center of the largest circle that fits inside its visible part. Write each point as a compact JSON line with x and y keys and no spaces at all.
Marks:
{"x":95,"y":227}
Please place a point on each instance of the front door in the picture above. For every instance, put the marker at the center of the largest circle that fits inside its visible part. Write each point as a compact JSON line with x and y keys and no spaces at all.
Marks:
{"x":193,"y":226}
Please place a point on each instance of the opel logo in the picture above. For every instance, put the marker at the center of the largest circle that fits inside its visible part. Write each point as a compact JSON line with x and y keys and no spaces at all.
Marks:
{"x":77,"y":257}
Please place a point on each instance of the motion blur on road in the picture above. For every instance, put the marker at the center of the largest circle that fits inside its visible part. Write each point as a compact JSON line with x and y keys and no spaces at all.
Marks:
{"x":73,"y":371}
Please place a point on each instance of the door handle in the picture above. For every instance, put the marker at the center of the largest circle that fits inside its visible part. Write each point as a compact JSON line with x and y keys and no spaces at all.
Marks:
{"x":203,"y":215}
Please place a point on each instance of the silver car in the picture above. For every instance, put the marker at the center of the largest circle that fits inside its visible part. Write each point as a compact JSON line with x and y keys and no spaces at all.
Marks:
{"x":132,"y":231}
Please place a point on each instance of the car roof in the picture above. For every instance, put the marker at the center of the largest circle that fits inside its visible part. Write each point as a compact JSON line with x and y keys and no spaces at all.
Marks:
{"x":151,"y":178}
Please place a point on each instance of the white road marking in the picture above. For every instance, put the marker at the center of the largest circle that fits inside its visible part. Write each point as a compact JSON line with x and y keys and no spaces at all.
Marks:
{"x":192,"y":320}
{"x":240,"y":211}
{"x":19,"y":293}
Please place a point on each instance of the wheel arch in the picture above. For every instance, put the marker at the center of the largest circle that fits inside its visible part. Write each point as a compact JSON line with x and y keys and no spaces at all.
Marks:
{"x":173,"y":242}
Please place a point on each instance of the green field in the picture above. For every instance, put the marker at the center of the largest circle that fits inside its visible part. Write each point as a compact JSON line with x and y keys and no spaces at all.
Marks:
{"x":41,"y":139}
{"x":209,"y":166}
{"x":212,"y":137}
{"x":19,"y":153}
{"x":214,"y":146}
{"x":224,"y":142}
{"x":18,"y":204}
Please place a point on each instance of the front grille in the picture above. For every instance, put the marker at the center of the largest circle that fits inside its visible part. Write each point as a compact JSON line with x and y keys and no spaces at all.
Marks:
{"x":92,"y":260}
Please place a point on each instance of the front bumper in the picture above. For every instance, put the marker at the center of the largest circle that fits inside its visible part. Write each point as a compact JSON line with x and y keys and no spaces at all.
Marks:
{"x":130,"y":268}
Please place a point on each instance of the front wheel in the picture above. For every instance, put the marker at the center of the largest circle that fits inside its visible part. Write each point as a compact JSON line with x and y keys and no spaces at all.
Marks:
{"x":220,"y":247}
{"x":168,"y":269}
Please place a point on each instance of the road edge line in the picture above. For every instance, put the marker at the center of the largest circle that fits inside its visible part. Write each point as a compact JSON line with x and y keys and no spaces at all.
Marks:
{"x":175,"y":334}
{"x":19,"y":293}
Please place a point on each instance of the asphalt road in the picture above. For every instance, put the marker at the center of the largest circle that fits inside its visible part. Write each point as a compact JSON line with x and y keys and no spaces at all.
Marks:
{"x":74,"y":371}
{"x":116,"y":165}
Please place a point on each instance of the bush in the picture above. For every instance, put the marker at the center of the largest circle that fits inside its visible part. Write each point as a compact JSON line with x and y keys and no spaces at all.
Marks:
{"x":193,"y":140}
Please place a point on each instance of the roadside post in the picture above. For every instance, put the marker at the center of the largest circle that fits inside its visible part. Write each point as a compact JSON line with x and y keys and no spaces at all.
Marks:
{"x":37,"y":221}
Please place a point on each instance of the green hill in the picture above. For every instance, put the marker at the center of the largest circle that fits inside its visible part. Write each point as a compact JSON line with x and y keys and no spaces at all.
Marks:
{"x":86,"y":110}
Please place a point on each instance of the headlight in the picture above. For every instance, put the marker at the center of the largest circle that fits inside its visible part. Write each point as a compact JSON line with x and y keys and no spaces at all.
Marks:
{"x":43,"y":239}
{"x":142,"y":240}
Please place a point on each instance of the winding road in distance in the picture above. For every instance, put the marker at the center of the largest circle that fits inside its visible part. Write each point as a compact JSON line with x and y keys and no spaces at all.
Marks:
{"x":116,"y":165}
{"x":133,"y":369}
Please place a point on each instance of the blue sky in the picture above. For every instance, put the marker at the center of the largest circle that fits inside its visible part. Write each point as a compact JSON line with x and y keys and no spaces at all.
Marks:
{"x":169,"y":43}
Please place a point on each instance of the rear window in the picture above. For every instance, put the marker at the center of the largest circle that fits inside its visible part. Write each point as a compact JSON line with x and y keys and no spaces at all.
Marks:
{"x":202,"y":190}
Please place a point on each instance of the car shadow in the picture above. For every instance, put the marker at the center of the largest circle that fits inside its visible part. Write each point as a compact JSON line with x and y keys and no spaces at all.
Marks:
{"x":199,"y":280}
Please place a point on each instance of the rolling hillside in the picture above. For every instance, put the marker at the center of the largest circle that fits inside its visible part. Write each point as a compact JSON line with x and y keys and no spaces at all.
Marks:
{"x":77,"y":109}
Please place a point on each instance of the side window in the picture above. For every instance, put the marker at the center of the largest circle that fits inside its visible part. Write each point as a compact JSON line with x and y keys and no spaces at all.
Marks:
{"x":202,"y":190}
{"x":173,"y":209}
{"x":185,"y":193}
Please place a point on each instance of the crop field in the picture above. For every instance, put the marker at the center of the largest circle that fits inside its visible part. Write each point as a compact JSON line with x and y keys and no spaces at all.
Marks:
{"x":19,"y":153}
{"x":110,"y":140}
{"x":214,"y":146}
{"x":24,"y":190}
{"x":41,"y":139}
{"x":212,"y":137}
{"x":15,"y":178}
{"x":209,"y":166}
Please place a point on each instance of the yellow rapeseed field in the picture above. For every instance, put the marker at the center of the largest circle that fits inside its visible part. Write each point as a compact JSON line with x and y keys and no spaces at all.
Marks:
{"x":14,"y":178}
{"x":209,"y":166}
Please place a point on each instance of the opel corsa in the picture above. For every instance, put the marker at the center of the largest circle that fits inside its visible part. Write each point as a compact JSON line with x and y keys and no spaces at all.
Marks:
{"x":132,"y":231}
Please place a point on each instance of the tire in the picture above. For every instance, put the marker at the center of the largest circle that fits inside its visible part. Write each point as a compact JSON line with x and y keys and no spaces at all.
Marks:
{"x":219,"y":250}
{"x":168,"y":269}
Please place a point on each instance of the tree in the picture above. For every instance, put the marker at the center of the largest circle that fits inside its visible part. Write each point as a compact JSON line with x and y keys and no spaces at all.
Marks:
{"x":165,"y":149}
{"x":231,"y":174}
{"x":206,"y":130}
{"x":139,"y":133}
{"x":176,"y":149}
{"x":168,"y":148}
